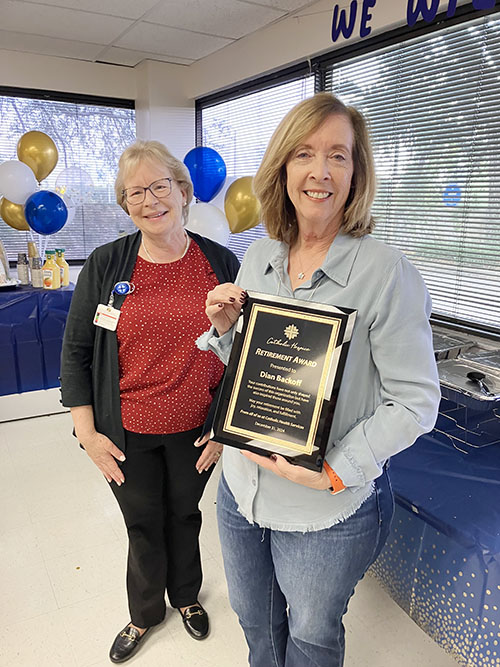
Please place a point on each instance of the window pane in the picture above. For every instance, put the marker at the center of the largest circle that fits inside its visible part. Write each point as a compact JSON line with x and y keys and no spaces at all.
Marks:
{"x":90,"y":140}
{"x":433,"y":108}
{"x":239,"y":130}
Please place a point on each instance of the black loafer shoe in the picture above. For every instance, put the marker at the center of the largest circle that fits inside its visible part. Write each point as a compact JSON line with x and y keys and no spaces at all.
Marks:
{"x":126,"y":644}
{"x":195,"y":621}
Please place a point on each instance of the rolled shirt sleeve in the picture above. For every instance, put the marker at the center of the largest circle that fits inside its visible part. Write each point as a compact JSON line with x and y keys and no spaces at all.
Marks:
{"x":221,"y":345}
{"x":400,"y":342}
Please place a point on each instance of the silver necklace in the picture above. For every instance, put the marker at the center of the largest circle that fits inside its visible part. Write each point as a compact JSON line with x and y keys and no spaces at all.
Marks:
{"x":302,"y":274}
{"x":154,"y":260}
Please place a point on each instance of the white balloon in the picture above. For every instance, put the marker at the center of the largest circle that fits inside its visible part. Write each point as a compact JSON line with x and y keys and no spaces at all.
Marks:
{"x":219,"y":199}
{"x":76,"y":183}
{"x":209,"y":221}
{"x":71,"y":206}
{"x":17,"y":181}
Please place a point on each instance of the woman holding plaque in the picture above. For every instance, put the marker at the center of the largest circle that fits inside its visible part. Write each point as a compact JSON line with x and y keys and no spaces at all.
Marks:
{"x":140,"y":391}
{"x":295,"y":541}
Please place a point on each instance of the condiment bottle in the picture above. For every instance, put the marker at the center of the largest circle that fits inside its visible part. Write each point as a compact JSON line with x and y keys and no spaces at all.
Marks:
{"x":32,"y":252}
{"x":23,"y":272}
{"x":51,"y":271}
{"x":4,"y":268}
{"x":63,"y":266}
{"x":36,"y":272}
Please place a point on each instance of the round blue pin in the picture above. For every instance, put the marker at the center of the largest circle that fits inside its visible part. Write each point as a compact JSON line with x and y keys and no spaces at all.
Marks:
{"x":123,"y":287}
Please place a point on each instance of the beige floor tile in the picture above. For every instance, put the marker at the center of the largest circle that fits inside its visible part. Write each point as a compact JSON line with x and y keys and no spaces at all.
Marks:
{"x":19,"y":548}
{"x":26,"y":593}
{"x":38,"y":642}
{"x":87,"y":573}
{"x":91,"y":625}
{"x":50,"y":496}
{"x":14,"y":512}
{"x":72,"y":532}
{"x":58,"y":514}
{"x":370,"y":604}
{"x":397,"y":642}
{"x":8,"y":474}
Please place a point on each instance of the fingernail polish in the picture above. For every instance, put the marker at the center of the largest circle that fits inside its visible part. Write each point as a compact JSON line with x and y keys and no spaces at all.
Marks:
{"x":232,"y":299}
{"x":273,"y":457}
{"x":221,"y":305}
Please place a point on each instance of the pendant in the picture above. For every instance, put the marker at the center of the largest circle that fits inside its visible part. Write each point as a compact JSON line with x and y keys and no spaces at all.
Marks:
{"x":301,"y":275}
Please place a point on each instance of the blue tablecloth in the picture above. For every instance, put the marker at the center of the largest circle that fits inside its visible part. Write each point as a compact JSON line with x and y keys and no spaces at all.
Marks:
{"x":441,"y":562}
{"x":32,"y":324}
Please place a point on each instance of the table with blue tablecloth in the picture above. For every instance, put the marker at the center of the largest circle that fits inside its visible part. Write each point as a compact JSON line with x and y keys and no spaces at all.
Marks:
{"x":441,"y":562}
{"x":32,"y":324}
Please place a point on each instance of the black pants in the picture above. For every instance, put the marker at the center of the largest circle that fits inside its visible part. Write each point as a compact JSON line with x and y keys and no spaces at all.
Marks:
{"x":159,"y":501}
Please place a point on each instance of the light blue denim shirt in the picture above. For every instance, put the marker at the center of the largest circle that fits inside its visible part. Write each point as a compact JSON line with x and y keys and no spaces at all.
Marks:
{"x":389,"y":394}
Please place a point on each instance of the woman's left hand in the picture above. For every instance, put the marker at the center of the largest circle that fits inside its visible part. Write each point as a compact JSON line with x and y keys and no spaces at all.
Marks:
{"x":298,"y":474}
{"x":210,"y":455}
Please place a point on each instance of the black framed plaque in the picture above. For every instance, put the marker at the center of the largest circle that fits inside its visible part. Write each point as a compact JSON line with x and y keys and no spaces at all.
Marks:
{"x":282,"y":380}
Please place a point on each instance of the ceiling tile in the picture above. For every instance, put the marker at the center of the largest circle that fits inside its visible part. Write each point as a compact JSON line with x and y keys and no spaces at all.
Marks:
{"x":160,"y":39}
{"x":225,"y":18}
{"x":287,"y":5}
{"x":129,"y":9}
{"x":61,"y":23}
{"x":48,"y":46}
{"x":117,"y":56}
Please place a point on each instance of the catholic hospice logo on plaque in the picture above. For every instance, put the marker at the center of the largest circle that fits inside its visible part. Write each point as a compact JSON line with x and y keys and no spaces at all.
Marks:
{"x":282,"y":380}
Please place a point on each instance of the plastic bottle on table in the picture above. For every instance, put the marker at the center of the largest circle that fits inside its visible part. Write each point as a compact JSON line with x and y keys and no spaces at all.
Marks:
{"x":32,"y":252}
{"x":51,"y":271}
{"x":36,"y":272}
{"x":23,"y":272}
{"x":63,"y":266}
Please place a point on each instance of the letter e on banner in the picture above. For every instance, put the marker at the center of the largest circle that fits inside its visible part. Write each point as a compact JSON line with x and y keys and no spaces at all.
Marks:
{"x":365,"y":30}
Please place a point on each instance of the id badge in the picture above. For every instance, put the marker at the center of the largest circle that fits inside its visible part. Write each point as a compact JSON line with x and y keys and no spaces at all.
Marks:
{"x":106,"y":317}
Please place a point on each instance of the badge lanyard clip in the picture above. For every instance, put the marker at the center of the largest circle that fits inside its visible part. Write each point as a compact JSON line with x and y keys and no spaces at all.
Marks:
{"x":106,"y":316}
{"x":122,"y":288}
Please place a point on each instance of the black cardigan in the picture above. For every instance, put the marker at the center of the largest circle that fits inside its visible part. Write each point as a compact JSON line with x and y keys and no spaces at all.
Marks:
{"x":89,"y":362}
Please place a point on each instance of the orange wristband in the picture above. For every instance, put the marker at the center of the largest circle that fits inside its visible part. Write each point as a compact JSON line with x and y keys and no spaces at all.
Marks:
{"x":337,"y":484}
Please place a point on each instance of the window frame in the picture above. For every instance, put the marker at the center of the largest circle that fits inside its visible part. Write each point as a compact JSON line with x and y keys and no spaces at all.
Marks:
{"x":68,"y":98}
{"x":319,"y":66}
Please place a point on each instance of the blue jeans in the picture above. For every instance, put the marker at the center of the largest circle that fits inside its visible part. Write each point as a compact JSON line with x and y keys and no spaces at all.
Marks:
{"x":290,"y":590}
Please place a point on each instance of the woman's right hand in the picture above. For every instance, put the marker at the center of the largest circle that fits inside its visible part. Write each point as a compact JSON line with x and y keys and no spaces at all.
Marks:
{"x":223,"y":306}
{"x":104,"y":453}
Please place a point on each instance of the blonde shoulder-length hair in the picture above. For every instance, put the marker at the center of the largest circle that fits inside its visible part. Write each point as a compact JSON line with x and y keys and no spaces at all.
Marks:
{"x":278,"y":213}
{"x":155,"y":152}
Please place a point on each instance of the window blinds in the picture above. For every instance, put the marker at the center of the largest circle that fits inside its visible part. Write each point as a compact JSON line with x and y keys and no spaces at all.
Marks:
{"x":240,"y":129}
{"x":90,"y":139}
{"x":433,"y":109}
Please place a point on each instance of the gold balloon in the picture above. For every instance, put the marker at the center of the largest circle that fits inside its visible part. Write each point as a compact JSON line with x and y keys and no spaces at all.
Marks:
{"x":13,"y":215}
{"x":38,"y":151}
{"x":241,"y":205}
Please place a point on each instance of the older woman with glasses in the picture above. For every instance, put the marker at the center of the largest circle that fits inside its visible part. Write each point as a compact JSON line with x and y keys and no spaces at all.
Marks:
{"x":140,"y":391}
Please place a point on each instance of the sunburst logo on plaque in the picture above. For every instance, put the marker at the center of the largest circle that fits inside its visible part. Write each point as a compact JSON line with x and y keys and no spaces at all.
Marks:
{"x":291,"y":331}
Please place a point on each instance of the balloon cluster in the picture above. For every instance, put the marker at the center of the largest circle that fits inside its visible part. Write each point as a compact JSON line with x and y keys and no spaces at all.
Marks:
{"x":242,"y":209}
{"x":23,"y":206}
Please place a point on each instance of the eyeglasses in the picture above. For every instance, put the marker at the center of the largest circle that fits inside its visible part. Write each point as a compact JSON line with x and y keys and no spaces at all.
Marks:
{"x":159,"y":189}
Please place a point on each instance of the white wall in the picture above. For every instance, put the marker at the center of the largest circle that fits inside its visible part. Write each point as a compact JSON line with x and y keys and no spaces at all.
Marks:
{"x":288,"y":41}
{"x":165,"y":94}
{"x":163,"y":111}
{"x":25,"y":70}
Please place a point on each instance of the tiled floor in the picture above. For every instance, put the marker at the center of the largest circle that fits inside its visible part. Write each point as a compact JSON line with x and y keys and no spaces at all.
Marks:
{"x":62,"y":559}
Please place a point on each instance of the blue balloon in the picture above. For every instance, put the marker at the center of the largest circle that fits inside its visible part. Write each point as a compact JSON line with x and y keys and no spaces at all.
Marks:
{"x":207,"y":170}
{"x":45,"y":212}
